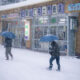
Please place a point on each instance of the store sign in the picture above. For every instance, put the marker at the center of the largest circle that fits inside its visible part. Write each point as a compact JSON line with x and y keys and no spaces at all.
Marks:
{"x":44,"y":10}
{"x":4,"y":16}
{"x":39,"y":10}
{"x":22,"y":13}
{"x":62,"y":20}
{"x":53,"y":20}
{"x":49,"y":10}
{"x":30,"y":12}
{"x":27,"y":12}
{"x":54,"y":9}
{"x":74,"y":7}
{"x":43,"y":20}
{"x":35,"y":12}
{"x":27,"y":30}
{"x":61,"y":8}
{"x":13,"y":15}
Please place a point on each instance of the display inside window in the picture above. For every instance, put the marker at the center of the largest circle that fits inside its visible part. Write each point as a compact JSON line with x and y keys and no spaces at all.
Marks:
{"x":53,"y":20}
{"x":27,"y":13}
{"x":45,"y":30}
{"x":43,"y":20}
{"x":38,"y":32}
{"x":36,"y":43}
{"x":62,"y":32}
{"x":49,"y":10}
{"x":53,"y":30}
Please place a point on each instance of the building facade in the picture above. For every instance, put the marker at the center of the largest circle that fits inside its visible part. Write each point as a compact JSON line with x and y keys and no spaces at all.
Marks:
{"x":30,"y":23}
{"x":6,"y":2}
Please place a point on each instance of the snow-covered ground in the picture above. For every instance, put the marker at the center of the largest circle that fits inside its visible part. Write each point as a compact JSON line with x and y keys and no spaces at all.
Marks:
{"x":31,"y":65}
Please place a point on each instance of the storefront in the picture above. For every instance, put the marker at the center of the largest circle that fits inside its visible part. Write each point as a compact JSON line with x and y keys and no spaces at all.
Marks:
{"x":55,"y":25}
{"x":31,"y":23}
{"x":50,"y":19}
{"x":12,"y":23}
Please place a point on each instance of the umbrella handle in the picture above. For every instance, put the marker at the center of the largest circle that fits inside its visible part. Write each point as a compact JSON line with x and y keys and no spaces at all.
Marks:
{"x":49,"y":46}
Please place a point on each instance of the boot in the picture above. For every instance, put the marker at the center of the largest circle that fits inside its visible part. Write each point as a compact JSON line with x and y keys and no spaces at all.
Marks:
{"x":58,"y":68}
{"x":50,"y":67}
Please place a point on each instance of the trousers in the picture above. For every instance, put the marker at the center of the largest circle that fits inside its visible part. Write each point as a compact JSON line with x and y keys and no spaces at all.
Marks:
{"x":8,"y":53}
{"x":57,"y":61}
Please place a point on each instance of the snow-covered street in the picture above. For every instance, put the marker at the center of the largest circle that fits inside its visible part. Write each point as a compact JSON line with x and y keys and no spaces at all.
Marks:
{"x":31,"y":65}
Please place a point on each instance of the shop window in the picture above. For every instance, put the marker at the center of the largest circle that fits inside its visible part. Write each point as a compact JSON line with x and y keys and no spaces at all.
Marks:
{"x":38,"y":32}
{"x":43,"y":20}
{"x":36,"y":44}
{"x":45,"y":30}
{"x":62,"y":32}
{"x":53,"y":30}
{"x":53,"y":20}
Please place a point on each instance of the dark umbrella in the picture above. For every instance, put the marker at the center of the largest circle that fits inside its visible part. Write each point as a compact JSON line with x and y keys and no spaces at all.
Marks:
{"x":7,"y":34}
{"x":48,"y":38}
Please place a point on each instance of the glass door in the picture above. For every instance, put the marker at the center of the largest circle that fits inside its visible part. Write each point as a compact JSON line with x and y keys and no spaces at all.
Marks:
{"x":62,"y":35}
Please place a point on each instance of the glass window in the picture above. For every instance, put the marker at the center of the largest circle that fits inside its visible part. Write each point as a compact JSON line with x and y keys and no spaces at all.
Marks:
{"x":36,"y":44}
{"x":62,"y":32}
{"x":45,"y":30}
{"x":38,"y":32}
{"x":53,"y":30}
{"x":43,"y":20}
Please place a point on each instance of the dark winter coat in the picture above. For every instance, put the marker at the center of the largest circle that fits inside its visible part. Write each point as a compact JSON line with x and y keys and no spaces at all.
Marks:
{"x":54,"y":50}
{"x":8,"y":42}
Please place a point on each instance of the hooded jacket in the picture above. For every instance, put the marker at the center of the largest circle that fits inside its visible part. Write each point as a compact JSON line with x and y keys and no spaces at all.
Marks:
{"x":54,"y":49}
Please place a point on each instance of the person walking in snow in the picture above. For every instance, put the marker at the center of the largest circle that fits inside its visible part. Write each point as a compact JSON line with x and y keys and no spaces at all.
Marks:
{"x":55,"y":54}
{"x":8,"y":45}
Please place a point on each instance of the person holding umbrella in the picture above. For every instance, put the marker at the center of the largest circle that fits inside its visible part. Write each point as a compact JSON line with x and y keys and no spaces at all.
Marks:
{"x":8,"y":43}
{"x":53,"y":49}
{"x":55,"y":54}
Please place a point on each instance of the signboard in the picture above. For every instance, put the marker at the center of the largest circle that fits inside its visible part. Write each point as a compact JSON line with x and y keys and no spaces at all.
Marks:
{"x":62,"y":20}
{"x":13,"y":15}
{"x":35,"y":11}
{"x":53,"y":20}
{"x":39,"y":11}
{"x":27,"y":30}
{"x":43,"y":20}
{"x":22,"y":13}
{"x":74,"y":7}
{"x":61,"y":8}
{"x":49,"y":10}
{"x":4,"y":16}
{"x":54,"y":9}
{"x":27,"y":12}
{"x":44,"y":10}
{"x":30,"y":12}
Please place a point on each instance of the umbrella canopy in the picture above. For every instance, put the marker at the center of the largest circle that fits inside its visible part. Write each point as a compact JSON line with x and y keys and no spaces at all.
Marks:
{"x":7,"y":34}
{"x":48,"y":38}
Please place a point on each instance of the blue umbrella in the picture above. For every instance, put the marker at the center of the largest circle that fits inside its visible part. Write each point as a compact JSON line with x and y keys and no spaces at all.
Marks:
{"x":48,"y":38}
{"x":7,"y":34}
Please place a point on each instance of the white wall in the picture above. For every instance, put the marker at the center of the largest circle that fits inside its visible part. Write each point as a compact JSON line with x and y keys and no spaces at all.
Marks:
{"x":21,"y":4}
